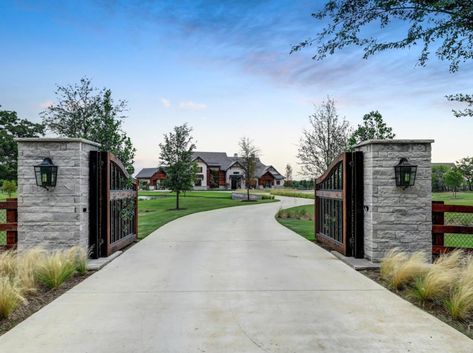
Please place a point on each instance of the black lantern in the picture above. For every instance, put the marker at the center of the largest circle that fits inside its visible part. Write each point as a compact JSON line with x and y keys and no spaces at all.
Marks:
{"x":405,"y":173}
{"x":46,"y":174}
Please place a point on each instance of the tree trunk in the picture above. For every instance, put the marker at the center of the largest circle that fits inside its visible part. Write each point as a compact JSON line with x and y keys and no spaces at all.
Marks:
{"x":177,"y":200}
{"x":248,"y":192}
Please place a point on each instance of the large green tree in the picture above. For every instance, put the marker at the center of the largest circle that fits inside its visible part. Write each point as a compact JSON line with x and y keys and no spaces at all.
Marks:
{"x":84,"y":111}
{"x":465,"y":166}
{"x":373,"y":128}
{"x":442,"y":27}
{"x":453,"y":179}
{"x":12,"y":127}
{"x":176,"y":156}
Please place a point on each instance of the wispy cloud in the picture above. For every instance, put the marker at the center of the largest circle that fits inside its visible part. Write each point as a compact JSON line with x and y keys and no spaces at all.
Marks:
{"x":189,"y":105}
{"x":166,"y":103}
{"x":46,"y":104}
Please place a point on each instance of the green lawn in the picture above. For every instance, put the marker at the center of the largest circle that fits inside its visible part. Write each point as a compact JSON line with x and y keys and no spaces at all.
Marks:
{"x":154,"y":213}
{"x":4,"y":195}
{"x":303,"y":226}
{"x":462,"y":198}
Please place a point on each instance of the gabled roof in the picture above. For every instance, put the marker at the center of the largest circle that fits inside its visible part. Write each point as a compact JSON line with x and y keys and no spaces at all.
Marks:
{"x":213,"y":159}
{"x":146,"y":173}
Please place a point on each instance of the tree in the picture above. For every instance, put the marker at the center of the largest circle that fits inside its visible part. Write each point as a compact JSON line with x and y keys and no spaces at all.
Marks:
{"x":288,"y":175}
{"x":11,"y":127}
{"x":453,"y":179}
{"x":446,"y":26}
{"x":324,"y":141}
{"x":438,"y":177}
{"x":465,"y":167}
{"x":248,"y":158}
{"x":85,"y":112}
{"x":9,"y":186}
{"x":176,"y":155}
{"x":373,"y":128}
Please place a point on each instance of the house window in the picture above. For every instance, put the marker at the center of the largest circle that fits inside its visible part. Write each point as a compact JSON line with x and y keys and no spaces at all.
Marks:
{"x":236,"y":172}
{"x":199,"y":169}
{"x":198,"y":181}
{"x":278,"y":183}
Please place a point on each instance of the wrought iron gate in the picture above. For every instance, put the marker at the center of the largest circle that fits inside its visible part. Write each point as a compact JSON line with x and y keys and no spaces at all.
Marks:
{"x":339,"y":205}
{"x":113,"y":222}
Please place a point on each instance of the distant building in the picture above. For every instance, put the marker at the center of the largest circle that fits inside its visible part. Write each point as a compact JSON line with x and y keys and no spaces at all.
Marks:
{"x":216,"y":170}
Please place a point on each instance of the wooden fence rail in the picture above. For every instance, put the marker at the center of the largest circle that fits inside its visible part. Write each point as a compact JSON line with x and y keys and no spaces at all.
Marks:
{"x":452,"y":227}
{"x":10,"y":226}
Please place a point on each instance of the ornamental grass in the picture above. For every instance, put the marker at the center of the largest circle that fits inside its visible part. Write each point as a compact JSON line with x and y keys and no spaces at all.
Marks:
{"x":10,"y":296}
{"x":399,"y":269}
{"x":56,"y":268}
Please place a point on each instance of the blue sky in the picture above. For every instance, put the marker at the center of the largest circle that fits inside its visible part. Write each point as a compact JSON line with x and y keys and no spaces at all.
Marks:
{"x":222,"y":66}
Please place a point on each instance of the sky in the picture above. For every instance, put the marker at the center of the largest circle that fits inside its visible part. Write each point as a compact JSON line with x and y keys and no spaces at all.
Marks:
{"x":224,"y":68}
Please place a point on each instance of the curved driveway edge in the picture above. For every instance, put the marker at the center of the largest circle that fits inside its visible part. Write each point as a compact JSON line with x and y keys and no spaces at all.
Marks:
{"x":231,"y":280}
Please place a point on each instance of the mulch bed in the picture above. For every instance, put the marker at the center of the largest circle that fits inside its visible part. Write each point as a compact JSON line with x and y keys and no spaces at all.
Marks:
{"x":433,"y":308}
{"x":36,"y":301}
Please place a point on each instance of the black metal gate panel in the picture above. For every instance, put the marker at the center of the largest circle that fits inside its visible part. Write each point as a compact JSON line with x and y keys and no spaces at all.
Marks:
{"x":113,"y":205}
{"x":339,"y":205}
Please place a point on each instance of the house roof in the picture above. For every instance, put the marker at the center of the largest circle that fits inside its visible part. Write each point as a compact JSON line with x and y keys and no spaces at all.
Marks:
{"x":146,"y":173}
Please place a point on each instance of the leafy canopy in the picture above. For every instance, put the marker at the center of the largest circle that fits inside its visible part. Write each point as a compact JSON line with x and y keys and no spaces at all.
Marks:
{"x":373,"y":128}
{"x":12,"y":127}
{"x":176,"y":157}
{"x":442,"y":26}
{"x":453,"y":179}
{"x":465,"y":167}
{"x":82,"y":111}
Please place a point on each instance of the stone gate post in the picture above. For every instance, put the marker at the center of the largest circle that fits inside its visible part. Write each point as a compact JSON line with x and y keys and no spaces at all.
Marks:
{"x":396,"y":217}
{"x":57,"y":218}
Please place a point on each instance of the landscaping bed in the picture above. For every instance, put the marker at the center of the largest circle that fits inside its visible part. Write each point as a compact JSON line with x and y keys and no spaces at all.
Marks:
{"x":299,"y":219}
{"x":443,"y":289}
{"x":31,"y":279}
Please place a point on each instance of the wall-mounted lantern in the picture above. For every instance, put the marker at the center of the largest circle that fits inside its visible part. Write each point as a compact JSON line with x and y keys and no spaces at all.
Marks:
{"x":46,"y":174}
{"x":405,"y":173}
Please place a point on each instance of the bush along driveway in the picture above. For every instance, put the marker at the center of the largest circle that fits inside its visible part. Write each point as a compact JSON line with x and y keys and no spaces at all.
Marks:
{"x":231,"y":280}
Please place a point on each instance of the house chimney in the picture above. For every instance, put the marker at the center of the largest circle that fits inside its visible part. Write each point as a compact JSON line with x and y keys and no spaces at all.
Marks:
{"x":235,"y":155}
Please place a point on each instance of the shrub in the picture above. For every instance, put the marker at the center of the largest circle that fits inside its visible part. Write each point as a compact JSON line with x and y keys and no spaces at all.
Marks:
{"x":9,"y":186}
{"x":282,"y":214}
{"x":399,"y":269}
{"x":78,"y":256}
{"x":10,"y":296}
{"x":8,"y":264}
{"x":27,"y":267}
{"x":55,"y":269}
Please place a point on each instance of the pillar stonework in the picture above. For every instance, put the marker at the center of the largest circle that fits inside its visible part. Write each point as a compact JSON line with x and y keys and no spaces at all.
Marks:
{"x":394,"y":217}
{"x":58,"y":218}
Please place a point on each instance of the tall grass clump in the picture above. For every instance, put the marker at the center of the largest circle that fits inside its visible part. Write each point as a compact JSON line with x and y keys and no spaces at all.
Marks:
{"x":27,"y":268}
{"x":399,"y":269}
{"x":56,"y":269}
{"x":10,"y":296}
{"x":459,"y":304}
{"x":8,"y":264}
{"x":78,"y":255}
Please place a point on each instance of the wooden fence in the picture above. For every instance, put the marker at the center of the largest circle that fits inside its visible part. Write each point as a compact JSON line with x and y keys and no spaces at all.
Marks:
{"x":452,"y":227}
{"x":8,"y":224}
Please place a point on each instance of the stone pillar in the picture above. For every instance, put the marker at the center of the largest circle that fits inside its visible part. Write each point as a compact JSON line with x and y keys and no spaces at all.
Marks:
{"x":58,"y":218}
{"x":395,"y":217}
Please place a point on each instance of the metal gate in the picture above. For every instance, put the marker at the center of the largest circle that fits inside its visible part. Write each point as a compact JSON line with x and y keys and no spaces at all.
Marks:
{"x":113,"y":222}
{"x":339,"y":205}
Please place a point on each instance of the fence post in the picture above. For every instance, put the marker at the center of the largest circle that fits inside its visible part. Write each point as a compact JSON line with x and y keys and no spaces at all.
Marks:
{"x":438,"y":218}
{"x":12,"y":217}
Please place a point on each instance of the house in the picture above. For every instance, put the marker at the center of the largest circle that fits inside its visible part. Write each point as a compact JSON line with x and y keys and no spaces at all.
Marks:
{"x":216,"y":170}
{"x":151,"y":177}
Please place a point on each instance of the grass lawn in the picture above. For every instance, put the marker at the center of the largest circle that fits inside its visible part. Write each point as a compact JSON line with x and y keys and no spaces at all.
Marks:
{"x":154,"y":213}
{"x":4,"y":195}
{"x":303,"y":227}
{"x":463,"y":198}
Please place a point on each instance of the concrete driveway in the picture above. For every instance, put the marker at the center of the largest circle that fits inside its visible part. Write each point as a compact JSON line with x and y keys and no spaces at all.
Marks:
{"x":231,"y":280}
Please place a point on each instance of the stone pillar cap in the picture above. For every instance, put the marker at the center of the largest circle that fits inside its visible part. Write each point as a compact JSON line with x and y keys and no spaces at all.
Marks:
{"x":56,"y":139}
{"x":393,"y":142}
